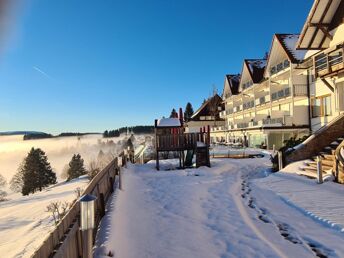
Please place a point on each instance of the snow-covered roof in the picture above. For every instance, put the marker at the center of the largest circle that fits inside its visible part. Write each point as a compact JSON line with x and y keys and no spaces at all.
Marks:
{"x":289,"y":42}
{"x":168,"y":122}
{"x":256,"y":69}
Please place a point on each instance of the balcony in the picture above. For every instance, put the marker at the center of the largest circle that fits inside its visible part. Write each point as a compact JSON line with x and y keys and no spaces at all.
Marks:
{"x":262,"y":100}
{"x":237,"y":109}
{"x":283,"y":93}
{"x":222,"y":114}
{"x":327,"y":63}
{"x":248,"y":105}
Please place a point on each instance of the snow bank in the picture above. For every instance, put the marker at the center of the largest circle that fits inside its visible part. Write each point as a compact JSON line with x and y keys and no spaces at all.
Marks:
{"x":24,"y":222}
{"x":323,"y":202}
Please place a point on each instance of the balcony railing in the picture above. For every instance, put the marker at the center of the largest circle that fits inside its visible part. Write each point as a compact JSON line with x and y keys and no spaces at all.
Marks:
{"x":270,"y":121}
{"x":330,"y":62}
{"x":280,"y":94}
{"x":222,"y":114}
{"x":300,"y":90}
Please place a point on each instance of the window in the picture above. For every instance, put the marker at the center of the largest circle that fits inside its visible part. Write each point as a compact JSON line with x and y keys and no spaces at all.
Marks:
{"x":321,"y":106}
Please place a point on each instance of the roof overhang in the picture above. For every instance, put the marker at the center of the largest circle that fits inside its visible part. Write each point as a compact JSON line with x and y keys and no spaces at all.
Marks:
{"x":315,"y":33}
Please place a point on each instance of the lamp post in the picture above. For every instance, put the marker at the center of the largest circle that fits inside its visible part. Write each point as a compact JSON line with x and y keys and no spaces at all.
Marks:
{"x":87,"y":203}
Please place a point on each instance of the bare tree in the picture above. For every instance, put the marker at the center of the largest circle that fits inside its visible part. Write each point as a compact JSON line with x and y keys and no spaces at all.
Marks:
{"x":58,"y":210}
{"x":78,"y":192}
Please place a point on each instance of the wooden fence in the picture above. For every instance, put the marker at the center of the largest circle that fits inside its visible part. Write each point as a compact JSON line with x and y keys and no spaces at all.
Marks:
{"x":65,"y":240}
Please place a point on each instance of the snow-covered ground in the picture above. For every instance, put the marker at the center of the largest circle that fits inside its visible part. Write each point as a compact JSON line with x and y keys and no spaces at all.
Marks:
{"x":227,"y":210}
{"x":24,"y":222}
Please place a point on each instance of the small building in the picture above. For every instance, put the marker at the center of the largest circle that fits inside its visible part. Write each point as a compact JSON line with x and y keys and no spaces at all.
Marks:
{"x":208,"y":115}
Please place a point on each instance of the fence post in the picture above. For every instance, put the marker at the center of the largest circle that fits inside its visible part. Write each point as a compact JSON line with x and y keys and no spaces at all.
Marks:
{"x":102,"y":204}
{"x":119,"y":179}
{"x":319,"y":171}
{"x":280,"y":160}
{"x":111,"y":184}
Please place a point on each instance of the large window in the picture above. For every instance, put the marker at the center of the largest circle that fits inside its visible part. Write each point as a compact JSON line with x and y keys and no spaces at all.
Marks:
{"x":321,"y":106}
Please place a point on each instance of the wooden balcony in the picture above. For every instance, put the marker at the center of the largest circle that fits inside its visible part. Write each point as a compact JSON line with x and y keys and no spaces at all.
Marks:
{"x":330,"y":62}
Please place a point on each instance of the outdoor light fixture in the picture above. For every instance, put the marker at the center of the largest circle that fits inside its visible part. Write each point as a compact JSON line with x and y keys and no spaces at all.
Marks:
{"x":87,"y":223}
{"x":87,"y":211}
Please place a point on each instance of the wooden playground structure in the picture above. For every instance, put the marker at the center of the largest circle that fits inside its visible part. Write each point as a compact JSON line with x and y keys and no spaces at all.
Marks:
{"x":170,"y":137}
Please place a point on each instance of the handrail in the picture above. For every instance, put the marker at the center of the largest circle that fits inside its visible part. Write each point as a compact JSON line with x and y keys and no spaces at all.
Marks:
{"x":339,"y":158}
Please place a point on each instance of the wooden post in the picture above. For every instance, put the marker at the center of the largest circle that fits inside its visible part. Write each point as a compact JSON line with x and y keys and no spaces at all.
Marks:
{"x":87,"y":243}
{"x":280,"y":160}
{"x":319,"y":171}
{"x":119,"y":179}
{"x":157,"y":161}
{"x":102,"y":204}
{"x":111,"y":184}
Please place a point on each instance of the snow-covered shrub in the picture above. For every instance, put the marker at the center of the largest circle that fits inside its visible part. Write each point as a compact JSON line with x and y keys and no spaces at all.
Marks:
{"x":3,"y":195}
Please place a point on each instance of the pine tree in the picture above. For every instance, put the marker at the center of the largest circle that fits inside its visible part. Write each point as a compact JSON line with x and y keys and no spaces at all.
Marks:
{"x":37,"y":172}
{"x":106,"y":134}
{"x":173,"y":114}
{"x":76,"y":167}
{"x":16,"y":182}
{"x":188,"y":112}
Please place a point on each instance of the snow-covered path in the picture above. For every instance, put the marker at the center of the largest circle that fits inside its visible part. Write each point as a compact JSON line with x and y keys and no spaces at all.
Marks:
{"x":208,"y":212}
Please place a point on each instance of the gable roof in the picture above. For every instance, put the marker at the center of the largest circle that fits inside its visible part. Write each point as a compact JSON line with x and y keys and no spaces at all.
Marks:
{"x":204,"y":109}
{"x":324,"y":16}
{"x":233,"y":82}
{"x":288,"y":43}
{"x":256,"y":68}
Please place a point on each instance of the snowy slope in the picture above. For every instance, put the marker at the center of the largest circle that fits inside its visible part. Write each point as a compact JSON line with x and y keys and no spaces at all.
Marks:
{"x":208,"y":212}
{"x":24,"y":222}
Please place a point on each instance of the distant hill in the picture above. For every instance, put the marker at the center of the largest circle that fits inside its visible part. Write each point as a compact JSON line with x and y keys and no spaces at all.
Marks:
{"x":20,"y":132}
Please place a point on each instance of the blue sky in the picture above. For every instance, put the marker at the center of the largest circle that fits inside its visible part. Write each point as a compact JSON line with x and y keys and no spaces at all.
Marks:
{"x":82,"y":65}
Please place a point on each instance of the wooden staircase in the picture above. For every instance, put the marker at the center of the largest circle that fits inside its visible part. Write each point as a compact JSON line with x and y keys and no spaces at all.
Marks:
{"x":328,"y":160}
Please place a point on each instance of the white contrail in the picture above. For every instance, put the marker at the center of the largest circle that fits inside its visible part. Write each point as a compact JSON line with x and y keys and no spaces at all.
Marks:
{"x":41,"y":71}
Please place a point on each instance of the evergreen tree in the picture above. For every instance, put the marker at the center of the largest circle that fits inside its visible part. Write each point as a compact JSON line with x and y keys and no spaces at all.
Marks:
{"x":188,"y":112}
{"x":76,"y":167}
{"x":106,"y":134}
{"x":173,"y":114}
{"x":16,"y":183}
{"x":37,"y":172}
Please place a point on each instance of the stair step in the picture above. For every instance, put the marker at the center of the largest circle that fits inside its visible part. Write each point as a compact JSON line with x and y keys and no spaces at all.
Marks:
{"x":324,"y":166}
{"x":314,"y":170}
{"x":335,"y":143}
{"x":340,"y":139}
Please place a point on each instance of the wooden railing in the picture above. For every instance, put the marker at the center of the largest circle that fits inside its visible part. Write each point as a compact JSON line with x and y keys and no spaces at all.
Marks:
{"x":65,"y":240}
{"x":339,"y":164}
{"x":185,"y":141}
